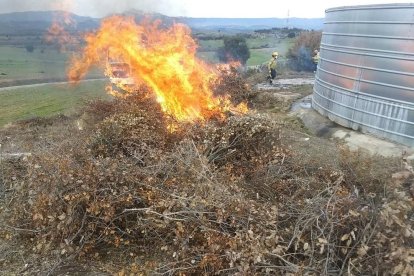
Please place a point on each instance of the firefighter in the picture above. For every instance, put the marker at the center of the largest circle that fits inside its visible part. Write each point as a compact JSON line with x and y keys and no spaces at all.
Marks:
{"x":272,"y":67}
{"x":315,"y":58}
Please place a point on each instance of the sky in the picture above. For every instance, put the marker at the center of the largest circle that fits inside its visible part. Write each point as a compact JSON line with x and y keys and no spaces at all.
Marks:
{"x":190,"y":8}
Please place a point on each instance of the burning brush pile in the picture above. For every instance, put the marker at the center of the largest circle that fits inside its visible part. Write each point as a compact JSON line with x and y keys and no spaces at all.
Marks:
{"x":164,"y":60}
{"x":182,"y":181}
{"x":134,"y":183}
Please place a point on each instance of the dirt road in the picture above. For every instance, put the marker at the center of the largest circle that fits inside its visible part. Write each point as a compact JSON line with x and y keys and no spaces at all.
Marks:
{"x":42,"y":84}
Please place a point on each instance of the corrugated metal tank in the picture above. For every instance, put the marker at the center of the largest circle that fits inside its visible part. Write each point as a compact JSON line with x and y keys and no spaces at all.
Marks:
{"x":365,"y":77}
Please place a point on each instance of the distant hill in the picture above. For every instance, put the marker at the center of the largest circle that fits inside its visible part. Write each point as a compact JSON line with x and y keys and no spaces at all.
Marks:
{"x":252,"y":23}
{"x":235,"y":23}
{"x":33,"y":23}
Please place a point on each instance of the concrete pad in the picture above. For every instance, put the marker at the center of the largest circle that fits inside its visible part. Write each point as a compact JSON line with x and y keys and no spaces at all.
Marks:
{"x":280,"y":96}
{"x":358,"y":141}
{"x":323,"y":127}
{"x":284,"y":83}
{"x":298,"y":81}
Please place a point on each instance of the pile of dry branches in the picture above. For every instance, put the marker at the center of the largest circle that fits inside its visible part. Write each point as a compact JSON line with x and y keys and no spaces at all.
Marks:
{"x":224,"y":198}
{"x":137,"y":129}
{"x":230,"y":83}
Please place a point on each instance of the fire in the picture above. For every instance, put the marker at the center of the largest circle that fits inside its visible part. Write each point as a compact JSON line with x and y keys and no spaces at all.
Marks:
{"x":164,"y":59}
{"x":62,"y":19}
{"x":58,"y":34}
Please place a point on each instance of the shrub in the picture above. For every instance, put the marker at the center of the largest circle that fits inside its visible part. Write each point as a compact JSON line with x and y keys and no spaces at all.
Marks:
{"x":235,"y":49}
{"x":29,"y":48}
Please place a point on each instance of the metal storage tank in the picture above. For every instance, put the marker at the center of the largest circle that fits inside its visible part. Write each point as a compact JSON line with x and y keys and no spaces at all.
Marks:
{"x":365,"y":77}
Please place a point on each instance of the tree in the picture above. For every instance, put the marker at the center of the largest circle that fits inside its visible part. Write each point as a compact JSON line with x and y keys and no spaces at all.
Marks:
{"x":235,"y":49}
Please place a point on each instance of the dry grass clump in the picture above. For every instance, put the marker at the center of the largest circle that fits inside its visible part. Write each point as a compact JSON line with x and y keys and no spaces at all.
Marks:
{"x":42,"y":122}
{"x":227,"y":198}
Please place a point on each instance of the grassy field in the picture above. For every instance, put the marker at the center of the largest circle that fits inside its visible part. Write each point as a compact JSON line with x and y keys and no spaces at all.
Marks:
{"x":210,"y":45}
{"x":47,"y":100}
{"x":260,"y":49}
{"x":268,"y":42}
{"x":44,"y":63}
{"x":19,"y":64}
{"x":259,"y":56}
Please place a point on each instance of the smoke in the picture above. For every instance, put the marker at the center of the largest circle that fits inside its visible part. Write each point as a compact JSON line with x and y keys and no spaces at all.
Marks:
{"x":303,"y":61}
{"x":105,"y":7}
{"x":95,"y":8}
{"x":7,"y":6}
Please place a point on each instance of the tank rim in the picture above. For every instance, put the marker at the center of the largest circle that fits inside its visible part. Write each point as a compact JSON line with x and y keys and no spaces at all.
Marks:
{"x":372,"y":6}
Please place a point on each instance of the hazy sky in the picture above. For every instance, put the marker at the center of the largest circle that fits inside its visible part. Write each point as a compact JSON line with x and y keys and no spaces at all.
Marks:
{"x":192,"y":8}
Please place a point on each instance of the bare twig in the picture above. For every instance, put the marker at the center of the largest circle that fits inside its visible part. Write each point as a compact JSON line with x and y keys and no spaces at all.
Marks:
{"x":21,"y":229}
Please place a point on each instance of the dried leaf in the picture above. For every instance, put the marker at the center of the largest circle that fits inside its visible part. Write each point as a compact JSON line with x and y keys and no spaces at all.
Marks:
{"x":322,"y":249}
{"x":353,"y":213}
{"x":345,"y":237}
{"x":362,"y":250}
{"x":322,"y":241}
{"x":62,"y":216}
{"x":353,"y":235}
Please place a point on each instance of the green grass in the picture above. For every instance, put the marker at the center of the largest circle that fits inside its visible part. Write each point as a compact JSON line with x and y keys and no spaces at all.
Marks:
{"x":259,"y":56}
{"x":210,"y":45}
{"x":283,"y":44}
{"x":47,"y":100}
{"x":208,"y":49}
{"x":18,"y":64}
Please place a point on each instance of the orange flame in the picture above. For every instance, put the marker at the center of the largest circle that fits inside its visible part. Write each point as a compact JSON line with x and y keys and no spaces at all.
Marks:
{"x":164,"y":59}
{"x":57,"y":34}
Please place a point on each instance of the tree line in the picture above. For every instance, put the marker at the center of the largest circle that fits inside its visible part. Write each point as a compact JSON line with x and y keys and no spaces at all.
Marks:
{"x":299,"y":55}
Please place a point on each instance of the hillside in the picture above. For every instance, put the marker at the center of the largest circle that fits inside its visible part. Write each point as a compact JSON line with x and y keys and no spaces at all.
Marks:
{"x":253,"y":23}
{"x":39,"y":16}
{"x":30,"y":23}
{"x":33,"y":23}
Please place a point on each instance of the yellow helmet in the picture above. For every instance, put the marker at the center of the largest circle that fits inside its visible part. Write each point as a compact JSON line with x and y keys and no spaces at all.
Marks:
{"x":275,"y":54}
